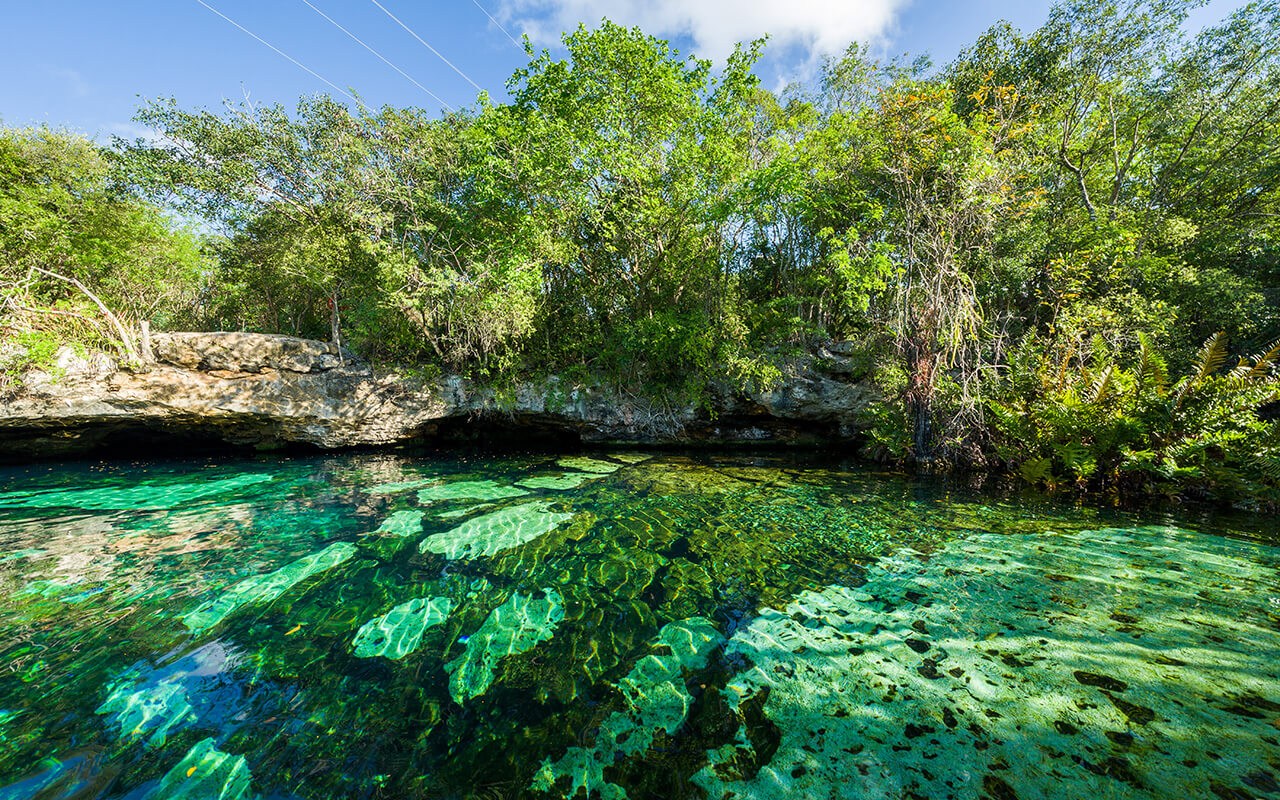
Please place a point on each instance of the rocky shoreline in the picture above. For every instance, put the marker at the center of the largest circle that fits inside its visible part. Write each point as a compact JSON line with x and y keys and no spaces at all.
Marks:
{"x":266,"y":391}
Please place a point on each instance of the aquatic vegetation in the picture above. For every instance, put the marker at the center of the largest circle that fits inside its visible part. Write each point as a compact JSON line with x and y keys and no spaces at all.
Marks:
{"x":755,"y":625}
{"x":556,"y":481}
{"x":655,"y":699}
{"x":513,"y":627}
{"x":402,"y":523}
{"x":1029,"y":663}
{"x":141,"y":497}
{"x":265,"y":588}
{"x":205,"y":773}
{"x":469,"y":490}
{"x":399,"y":632}
{"x":585,"y":464}
{"x":495,"y":531}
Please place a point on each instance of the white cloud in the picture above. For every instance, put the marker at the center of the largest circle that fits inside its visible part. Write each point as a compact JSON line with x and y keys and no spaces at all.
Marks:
{"x":820,"y":26}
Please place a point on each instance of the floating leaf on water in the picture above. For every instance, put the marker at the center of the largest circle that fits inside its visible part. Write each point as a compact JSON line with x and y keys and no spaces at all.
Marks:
{"x":399,"y":632}
{"x":402,"y":523}
{"x":469,"y":490}
{"x":557,"y":481}
{"x":656,"y":700}
{"x":495,"y":532}
{"x":513,"y":627}
{"x":204,"y":773}
{"x":265,"y":588}
{"x":585,"y":464}
{"x":138,"y":497}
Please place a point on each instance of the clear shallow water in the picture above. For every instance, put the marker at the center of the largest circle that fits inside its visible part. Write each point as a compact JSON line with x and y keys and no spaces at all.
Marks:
{"x":651,"y":627}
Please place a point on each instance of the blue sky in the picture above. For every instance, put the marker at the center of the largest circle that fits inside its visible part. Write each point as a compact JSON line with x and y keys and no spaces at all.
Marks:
{"x":83,"y":64}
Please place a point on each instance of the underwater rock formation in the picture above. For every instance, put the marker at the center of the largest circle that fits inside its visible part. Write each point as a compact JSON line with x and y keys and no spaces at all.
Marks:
{"x":468,"y":490}
{"x":265,"y":588}
{"x":262,"y":390}
{"x":981,"y":671}
{"x":398,"y":633}
{"x":513,"y":627}
{"x":401,"y":523}
{"x":496,"y":531}
{"x":556,"y":482}
{"x":655,"y":699}
{"x":204,"y":773}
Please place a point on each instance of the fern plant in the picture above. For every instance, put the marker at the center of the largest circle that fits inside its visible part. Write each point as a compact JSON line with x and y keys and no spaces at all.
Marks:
{"x":1099,"y":423}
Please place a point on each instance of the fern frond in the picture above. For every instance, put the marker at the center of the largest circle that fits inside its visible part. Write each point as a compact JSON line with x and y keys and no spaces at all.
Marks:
{"x":1264,"y":364}
{"x":1209,"y":360}
{"x":1098,"y":391}
{"x":1153,"y":370}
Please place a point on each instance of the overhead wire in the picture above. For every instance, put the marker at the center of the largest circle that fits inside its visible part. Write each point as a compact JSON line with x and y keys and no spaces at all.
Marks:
{"x":429,"y":47}
{"x":283,"y":53}
{"x":384,"y":59}
{"x":499,"y":24}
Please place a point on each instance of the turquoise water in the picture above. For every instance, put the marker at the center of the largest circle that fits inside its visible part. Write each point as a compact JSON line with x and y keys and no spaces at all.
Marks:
{"x":620,"y":625}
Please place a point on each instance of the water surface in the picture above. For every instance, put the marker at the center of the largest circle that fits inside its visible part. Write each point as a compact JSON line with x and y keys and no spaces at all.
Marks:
{"x":620,"y":625}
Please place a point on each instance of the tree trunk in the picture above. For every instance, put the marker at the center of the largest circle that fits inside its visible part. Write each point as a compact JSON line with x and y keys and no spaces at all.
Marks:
{"x":335,"y":330}
{"x":920,"y":403}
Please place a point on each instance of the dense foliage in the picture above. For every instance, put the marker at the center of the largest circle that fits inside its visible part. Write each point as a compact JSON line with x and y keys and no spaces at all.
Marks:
{"x":1026,"y":244}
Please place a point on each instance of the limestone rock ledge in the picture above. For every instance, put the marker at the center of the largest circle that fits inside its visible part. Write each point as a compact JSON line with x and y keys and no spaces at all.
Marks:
{"x":266,"y":391}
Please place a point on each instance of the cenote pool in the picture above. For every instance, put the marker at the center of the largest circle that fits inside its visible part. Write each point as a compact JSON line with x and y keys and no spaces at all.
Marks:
{"x":618,"y":625}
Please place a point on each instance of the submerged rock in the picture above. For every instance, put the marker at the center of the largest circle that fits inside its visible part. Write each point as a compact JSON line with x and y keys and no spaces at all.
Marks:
{"x":265,"y":588}
{"x":494,"y":532}
{"x":399,"y":632}
{"x":556,"y":481}
{"x":585,"y":464}
{"x":402,"y":523}
{"x":469,"y":490}
{"x":1025,"y":688}
{"x":205,"y":773}
{"x":513,"y":627}
{"x":655,"y":699}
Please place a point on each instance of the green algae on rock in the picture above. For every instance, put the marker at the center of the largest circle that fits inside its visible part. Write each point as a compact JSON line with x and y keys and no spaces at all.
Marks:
{"x":267,"y":587}
{"x":989,"y":660}
{"x":155,"y":496}
{"x":556,"y":481}
{"x":584,"y":464}
{"x":655,"y":699}
{"x":494,"y":532}
{"x":401,"y":523}
{"x":469,"y":490}
{"x":513,"y":627}
{"x":399,"y":632}
{"x":205,"y":773}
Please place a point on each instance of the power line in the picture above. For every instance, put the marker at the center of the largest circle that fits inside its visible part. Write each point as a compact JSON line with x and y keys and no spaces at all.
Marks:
{"x":429,"y":47}
{"x":495,"y":22}
{"x":379,"y":55}
{"x":281,"y":52}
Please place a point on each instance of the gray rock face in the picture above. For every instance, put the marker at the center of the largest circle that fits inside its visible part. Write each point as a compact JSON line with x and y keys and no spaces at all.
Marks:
{"x":268,"y":391}
{"x":246,"y":352}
